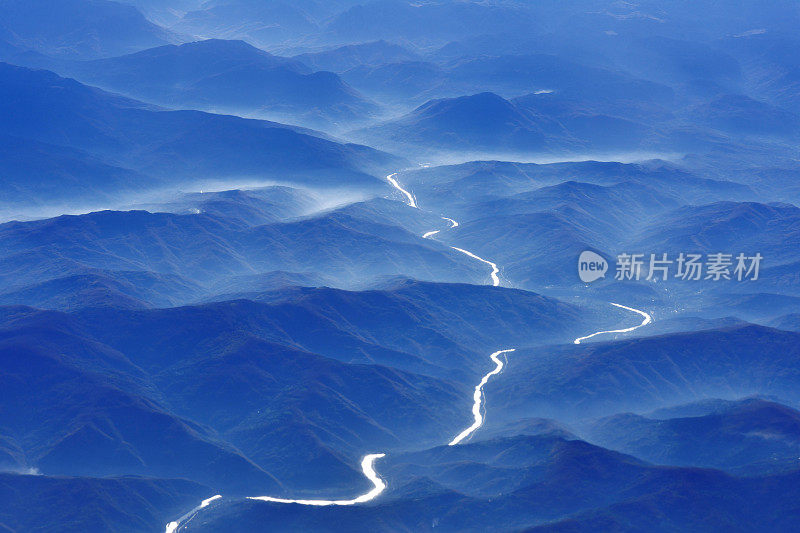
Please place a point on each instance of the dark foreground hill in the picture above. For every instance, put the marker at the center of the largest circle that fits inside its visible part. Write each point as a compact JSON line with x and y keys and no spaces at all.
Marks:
{"x":522,"y":482}
{"x":748,"y":436}
{"x":240,"y":396}
{"x":35,"y":502}
{"x":606,"y":378}
{"x":204,"y":248}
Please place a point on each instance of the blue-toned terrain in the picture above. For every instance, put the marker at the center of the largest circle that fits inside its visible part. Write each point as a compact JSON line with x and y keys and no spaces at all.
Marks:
{"x":271,"y":265}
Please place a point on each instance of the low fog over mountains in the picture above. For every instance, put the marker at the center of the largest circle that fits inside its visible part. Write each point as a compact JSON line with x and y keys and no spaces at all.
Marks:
{"x":244,"y":244}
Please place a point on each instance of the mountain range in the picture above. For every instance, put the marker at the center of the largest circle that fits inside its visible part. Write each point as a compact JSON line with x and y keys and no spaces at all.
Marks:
{"x":110,"y":401}
{"x":227,"y":76}
{"x":337,"y":250}
{"x":112,"y":136}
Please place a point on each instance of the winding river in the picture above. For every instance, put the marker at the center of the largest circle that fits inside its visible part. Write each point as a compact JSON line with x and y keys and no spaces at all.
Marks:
{"x":185,"y":519}
{"x":368,"y":461}
{"x":645,"y":316}
{"x":367,"y":466}
{"x":477,"y":397}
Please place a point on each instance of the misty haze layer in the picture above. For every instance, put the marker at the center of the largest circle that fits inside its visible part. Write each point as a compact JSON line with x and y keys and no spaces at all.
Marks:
{"x":383,"y":265}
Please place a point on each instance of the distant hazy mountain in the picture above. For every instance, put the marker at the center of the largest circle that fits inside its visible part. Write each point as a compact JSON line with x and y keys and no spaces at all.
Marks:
{"x":231,"y":76}
{"x":578,"y":88}
{"x":602,"y":125}
{"x":680,"y":42}
{"x":691,"y":65}
{"x":790,"y":322}
{"x":480,"y":122}
{"x":174,"y":146}
{"x":78,"y":29}
{"x":584,"y":85}
{"x":768,"y":65}
{"x":40,"y":174}
{"x":207,"y":287}
{"x":761,"y":307}
{"x":261,"y":22}
{"x":748,"y":436}
{"x":397,"y":19}
{"x":577,"y":118}
{"x":685,"y":322}
{"x":734,"y":227}
{"x":743,"y":115}
{"x":778,"y":279}
{"x":164,"y":12}
{"x":454,"y":186}
{"x":401,"y":82}
{"x":718,"y":20}
{"x":355,"y":55}
{"x":654,"y":372}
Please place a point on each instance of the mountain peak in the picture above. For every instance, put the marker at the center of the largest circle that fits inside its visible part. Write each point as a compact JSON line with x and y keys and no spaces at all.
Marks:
{"x":485,"y":102}
{"x":206,"y":52}
{"x":480,"y":121}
